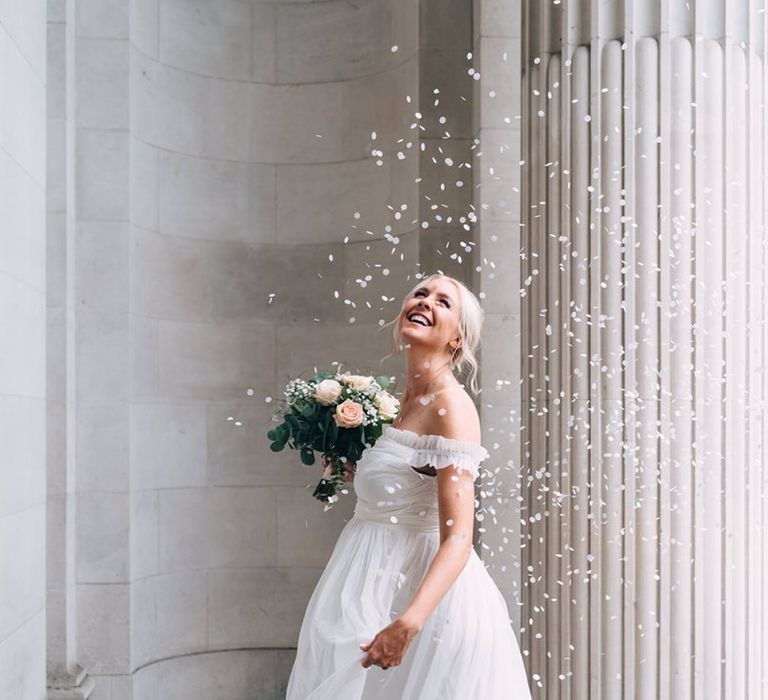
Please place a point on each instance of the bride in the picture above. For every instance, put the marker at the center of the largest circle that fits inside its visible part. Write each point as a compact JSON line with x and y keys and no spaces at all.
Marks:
{"x":405,"y":609}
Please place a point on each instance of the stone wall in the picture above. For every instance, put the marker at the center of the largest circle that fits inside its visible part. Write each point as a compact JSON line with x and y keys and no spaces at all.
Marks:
{"x":235,"y":191}
{"x":22,"y":350}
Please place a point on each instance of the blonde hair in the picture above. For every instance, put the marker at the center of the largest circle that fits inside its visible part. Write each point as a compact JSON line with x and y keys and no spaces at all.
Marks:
{"x":471,"y":317}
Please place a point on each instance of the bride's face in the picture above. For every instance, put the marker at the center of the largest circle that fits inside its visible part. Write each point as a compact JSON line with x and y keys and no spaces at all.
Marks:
{"x":438,"y":301}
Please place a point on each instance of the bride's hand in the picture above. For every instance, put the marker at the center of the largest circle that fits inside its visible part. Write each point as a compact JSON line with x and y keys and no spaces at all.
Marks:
{"x":389,"y":646}
{"x":327,"y":467}
{"x":349,"y":471}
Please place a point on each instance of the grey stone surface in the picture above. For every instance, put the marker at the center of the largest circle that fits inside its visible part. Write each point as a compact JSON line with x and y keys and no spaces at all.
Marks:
{"x":22,"y":467}
{"x":103,"y":447}
{"x":168,"y":446}
{"x":351,"y":186}
{"x":169,"y":615}
{"x":232,"y":675}
{"x":234,"y":201}
{"x":216,"y":39}
{"x":22,"y":583}
{"x":102,"y":177}
{"x":216,"y":527}
{"x":333,"y":40}
{"x":103,"y":19}
{"x":102,"y":73}
{"x":378,"y":103}
{"x":261,"y":606}
{"x":213,"y":204}
{"x":144,"y":34}
{"x":23,"y":356}
{"x":22,"y":664}
{"x":104,"y":627}
{"x":306,"y":536}
{"x":102,"y":271}
{"x":101,"y":344}
{"x":213,"y":361}
{"x":103,"y":528}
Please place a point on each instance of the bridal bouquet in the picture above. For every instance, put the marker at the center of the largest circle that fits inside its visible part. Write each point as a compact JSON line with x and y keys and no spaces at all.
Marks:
{"x":337,"y":415}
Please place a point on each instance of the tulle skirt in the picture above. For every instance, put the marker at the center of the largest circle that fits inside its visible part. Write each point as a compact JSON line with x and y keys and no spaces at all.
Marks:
{"x":466,"y":648}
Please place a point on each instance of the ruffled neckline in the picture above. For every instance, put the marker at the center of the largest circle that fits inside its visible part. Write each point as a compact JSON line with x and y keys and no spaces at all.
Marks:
{"x":409,"y":438}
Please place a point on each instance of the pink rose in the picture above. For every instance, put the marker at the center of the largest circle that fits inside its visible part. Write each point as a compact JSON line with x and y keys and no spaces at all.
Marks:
{"x":349,"y":414}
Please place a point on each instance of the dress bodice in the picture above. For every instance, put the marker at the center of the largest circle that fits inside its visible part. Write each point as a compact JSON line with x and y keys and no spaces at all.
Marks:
{"x":389,"y":489}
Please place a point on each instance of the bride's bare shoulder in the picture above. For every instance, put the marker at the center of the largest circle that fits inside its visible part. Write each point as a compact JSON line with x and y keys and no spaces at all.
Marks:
{"x":455,"y":416}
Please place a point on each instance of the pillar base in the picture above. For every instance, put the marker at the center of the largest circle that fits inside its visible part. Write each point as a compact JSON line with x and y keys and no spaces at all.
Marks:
{"x":76,"y":686}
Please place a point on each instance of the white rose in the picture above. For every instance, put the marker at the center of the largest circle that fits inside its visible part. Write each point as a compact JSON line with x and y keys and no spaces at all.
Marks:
{"x":387,"y":404}
{"x":327,"y":391}
{"x":358,"y":382}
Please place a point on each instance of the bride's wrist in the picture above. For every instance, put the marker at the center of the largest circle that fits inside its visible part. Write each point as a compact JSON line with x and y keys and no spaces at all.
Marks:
{"x":412,"y":621}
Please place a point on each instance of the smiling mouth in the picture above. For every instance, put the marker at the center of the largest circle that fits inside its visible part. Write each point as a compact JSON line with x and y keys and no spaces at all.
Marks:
{"x":419,"y":320}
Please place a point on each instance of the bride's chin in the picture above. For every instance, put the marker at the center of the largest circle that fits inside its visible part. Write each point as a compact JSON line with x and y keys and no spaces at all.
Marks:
{"x":407,"y":325}
{"x":405,"y":331}
{"x":415,"y":340}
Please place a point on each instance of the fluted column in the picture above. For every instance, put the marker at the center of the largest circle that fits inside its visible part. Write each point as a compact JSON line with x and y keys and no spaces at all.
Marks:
{"x":644,"y":347}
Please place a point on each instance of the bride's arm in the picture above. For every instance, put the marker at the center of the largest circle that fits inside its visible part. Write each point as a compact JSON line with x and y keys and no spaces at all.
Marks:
{"x":456,"y":506}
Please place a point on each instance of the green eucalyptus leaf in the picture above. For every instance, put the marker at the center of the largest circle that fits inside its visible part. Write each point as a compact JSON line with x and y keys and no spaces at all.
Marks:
{"x":292,"y":421}
{"x":382,"y":381}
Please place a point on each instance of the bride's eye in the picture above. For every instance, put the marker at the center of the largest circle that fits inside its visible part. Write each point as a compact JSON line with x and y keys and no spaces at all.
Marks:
{"x":422,"y":292}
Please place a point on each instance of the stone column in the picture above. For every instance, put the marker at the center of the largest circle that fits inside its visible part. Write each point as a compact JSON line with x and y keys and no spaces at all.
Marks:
{"x":88,"y":378}
{"x":495,"y":73}
{"x":644,"y":348}
{"x":67,"y":679}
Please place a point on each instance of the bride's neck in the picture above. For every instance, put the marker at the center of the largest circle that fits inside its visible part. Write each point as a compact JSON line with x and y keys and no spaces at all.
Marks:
{"x":426,"y":373}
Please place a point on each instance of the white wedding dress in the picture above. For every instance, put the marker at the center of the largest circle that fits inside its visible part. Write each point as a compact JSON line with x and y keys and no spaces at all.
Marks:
{"x":466,"y":650}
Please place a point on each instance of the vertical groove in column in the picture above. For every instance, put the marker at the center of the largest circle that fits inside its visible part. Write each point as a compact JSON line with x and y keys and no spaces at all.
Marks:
{"x":698,"y":325}
{"x":578,"y":347}
{"x":537,"y":407}
{"x":735,"y":419}
{"x":628,"y":406}
{"x":708,"y":591}
{"x":669,"y":150}
{"x":526,"y":276}
{"x":677,"y":425}
{"x":633,"y":16}
{"x":553,"y":352}
{"x":596,"y":637}
{"x":609,"y":368}
{"x":763,"y":361}
{"x":642,"y":395}
{"x":755,"y":372}
{"x":565,"y":234}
